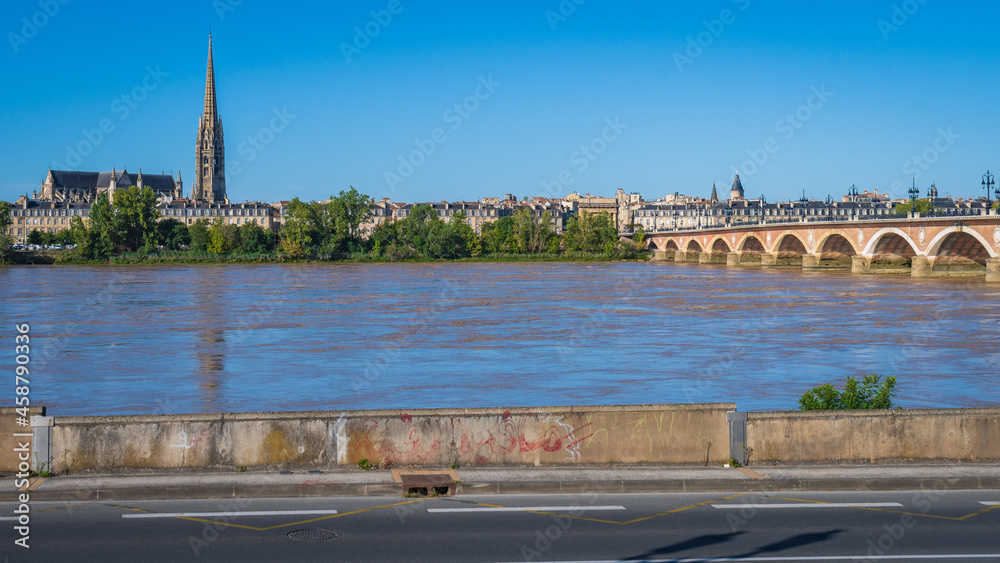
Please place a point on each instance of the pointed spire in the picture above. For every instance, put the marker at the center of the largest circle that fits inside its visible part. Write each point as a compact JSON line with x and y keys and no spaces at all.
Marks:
{"x":211,"y":111}
{"x":715,"y":194}
{"x":737,"y":190}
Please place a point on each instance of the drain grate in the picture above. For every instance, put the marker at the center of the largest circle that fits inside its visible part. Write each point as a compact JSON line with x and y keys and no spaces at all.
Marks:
{"x":313,"y":535}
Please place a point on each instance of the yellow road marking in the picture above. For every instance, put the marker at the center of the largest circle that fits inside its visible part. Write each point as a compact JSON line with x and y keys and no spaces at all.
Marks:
{"x":59,"y":508}
{"x":259,"y":529}
{"x":953,"y":518}
{"x":625,"y":523}
{"x":674,"y":511}
{"x":584,"y":518}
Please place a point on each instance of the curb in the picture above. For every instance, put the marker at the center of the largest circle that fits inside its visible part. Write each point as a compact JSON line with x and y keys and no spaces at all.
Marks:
{"x":513,"y":487}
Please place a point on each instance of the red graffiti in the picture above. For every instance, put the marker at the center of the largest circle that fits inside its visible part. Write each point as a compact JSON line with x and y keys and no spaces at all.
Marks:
{"x":506,"y":415}
{"x":406,"y":417}
{"x":550,"y":442}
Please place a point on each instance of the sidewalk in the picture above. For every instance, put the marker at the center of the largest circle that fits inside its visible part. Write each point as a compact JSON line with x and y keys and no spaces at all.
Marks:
{"x":604,"y":480}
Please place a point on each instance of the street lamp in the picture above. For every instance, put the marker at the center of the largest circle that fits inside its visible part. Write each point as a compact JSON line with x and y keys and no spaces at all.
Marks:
{"x":988,"y":184}
{"x":914,"y":194}
{"x":763,"y":205}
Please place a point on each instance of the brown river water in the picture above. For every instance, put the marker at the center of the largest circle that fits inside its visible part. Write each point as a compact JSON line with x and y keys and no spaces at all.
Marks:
{"x":235,"y":338}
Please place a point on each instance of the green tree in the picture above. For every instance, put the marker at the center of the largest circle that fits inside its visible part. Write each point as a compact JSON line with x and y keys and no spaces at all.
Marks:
{"x":383,"y":236}
{"x":303,"y":227}
{"x":591,"y":232}
{"x":172,"y":234}
{"x":78,"y":233}
{"x":35,"y":237}
{"x":871,"y":393}
{"x":6,"y":252}
{"x":639,"y":237}
{"x":198,"y":233}
{"x":5,"y":217}
{"x":223,"y":238}
{"x":256,"y":239}
{"x":463,"y":232}
{"x":532,"y":235}
{"x":498,"y":236}
{"x":344,"y":215}
{"x":102,"y":235}
{"x":923,"y":206}
{"x":135,"y":217}
{"x":415,"y":229}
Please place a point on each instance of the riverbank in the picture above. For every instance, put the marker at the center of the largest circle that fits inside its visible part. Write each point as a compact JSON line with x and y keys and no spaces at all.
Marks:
{"x":192,"y":257}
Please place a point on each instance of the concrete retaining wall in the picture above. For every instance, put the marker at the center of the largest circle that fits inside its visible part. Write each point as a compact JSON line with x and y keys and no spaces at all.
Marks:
{"x":9,"y":427}
{"x":966,"y":435}
{"x":670,"y":434}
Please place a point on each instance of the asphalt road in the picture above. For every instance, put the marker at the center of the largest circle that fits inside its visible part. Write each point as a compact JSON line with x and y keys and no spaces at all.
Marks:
{"x":896,"y":526}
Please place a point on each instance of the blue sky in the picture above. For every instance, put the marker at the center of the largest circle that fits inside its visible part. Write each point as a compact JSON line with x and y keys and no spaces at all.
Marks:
{"x":812,"y":96}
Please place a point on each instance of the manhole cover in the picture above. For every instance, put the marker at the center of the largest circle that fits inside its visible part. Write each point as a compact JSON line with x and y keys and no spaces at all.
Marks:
{"x":313,"y":535}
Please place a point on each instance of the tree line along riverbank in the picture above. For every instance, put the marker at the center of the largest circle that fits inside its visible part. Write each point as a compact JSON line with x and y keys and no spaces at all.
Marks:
{"x":130,"y":231}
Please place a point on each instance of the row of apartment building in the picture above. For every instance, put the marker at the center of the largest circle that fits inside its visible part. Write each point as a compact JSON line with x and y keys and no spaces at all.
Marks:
{"x":29,"y":214}
{"x":674,"y":212}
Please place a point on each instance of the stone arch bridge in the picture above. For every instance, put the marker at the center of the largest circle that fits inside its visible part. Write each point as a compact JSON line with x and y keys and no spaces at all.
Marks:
{"x":921,"y":246}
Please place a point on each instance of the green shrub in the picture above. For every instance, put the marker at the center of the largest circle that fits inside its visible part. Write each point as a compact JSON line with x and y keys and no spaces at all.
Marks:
{"x":872,"y":393}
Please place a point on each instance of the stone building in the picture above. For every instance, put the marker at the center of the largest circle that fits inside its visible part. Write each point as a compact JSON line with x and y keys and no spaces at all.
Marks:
{"x":46,"y":216}
{"x":189,"y":212}
{"x":83,"y":187}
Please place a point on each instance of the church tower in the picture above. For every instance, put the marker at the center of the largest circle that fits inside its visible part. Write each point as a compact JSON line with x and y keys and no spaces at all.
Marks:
{"x":210,"y":168}
{"x":736,"y":193}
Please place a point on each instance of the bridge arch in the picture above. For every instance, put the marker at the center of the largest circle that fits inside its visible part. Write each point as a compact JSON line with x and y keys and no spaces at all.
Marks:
{"x":670,"y":245}
{"x":720,"y":245}
{"x":836,"y":245}
{"x":890,"y":240}
{"x":956,"y":241}
{"x":751,"y":243}
{"x":790,"y":243}
{"x":693,"y":246}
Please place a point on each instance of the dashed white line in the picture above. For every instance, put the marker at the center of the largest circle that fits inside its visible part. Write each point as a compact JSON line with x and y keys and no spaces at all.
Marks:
{"x":229,"y":514}
{"x":812,"y":505}
{"x":524,"y":509}
{"x":990,"y":503}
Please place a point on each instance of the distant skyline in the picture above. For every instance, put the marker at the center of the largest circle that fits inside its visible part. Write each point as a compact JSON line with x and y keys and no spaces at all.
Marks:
{"x":451,"y":101}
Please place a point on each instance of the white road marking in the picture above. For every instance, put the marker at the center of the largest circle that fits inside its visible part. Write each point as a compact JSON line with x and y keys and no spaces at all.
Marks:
{"x":233,"y":514}
{"x":524,"y":509}
{"x":8,"y":518}
{"x":813,"y":505}
{"x":817,"y":558}
{"x":990,"y":503}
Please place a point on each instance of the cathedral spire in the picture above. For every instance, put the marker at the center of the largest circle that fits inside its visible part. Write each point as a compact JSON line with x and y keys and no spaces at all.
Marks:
{"x":211,"y":110}
{"x":210,"y":152}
